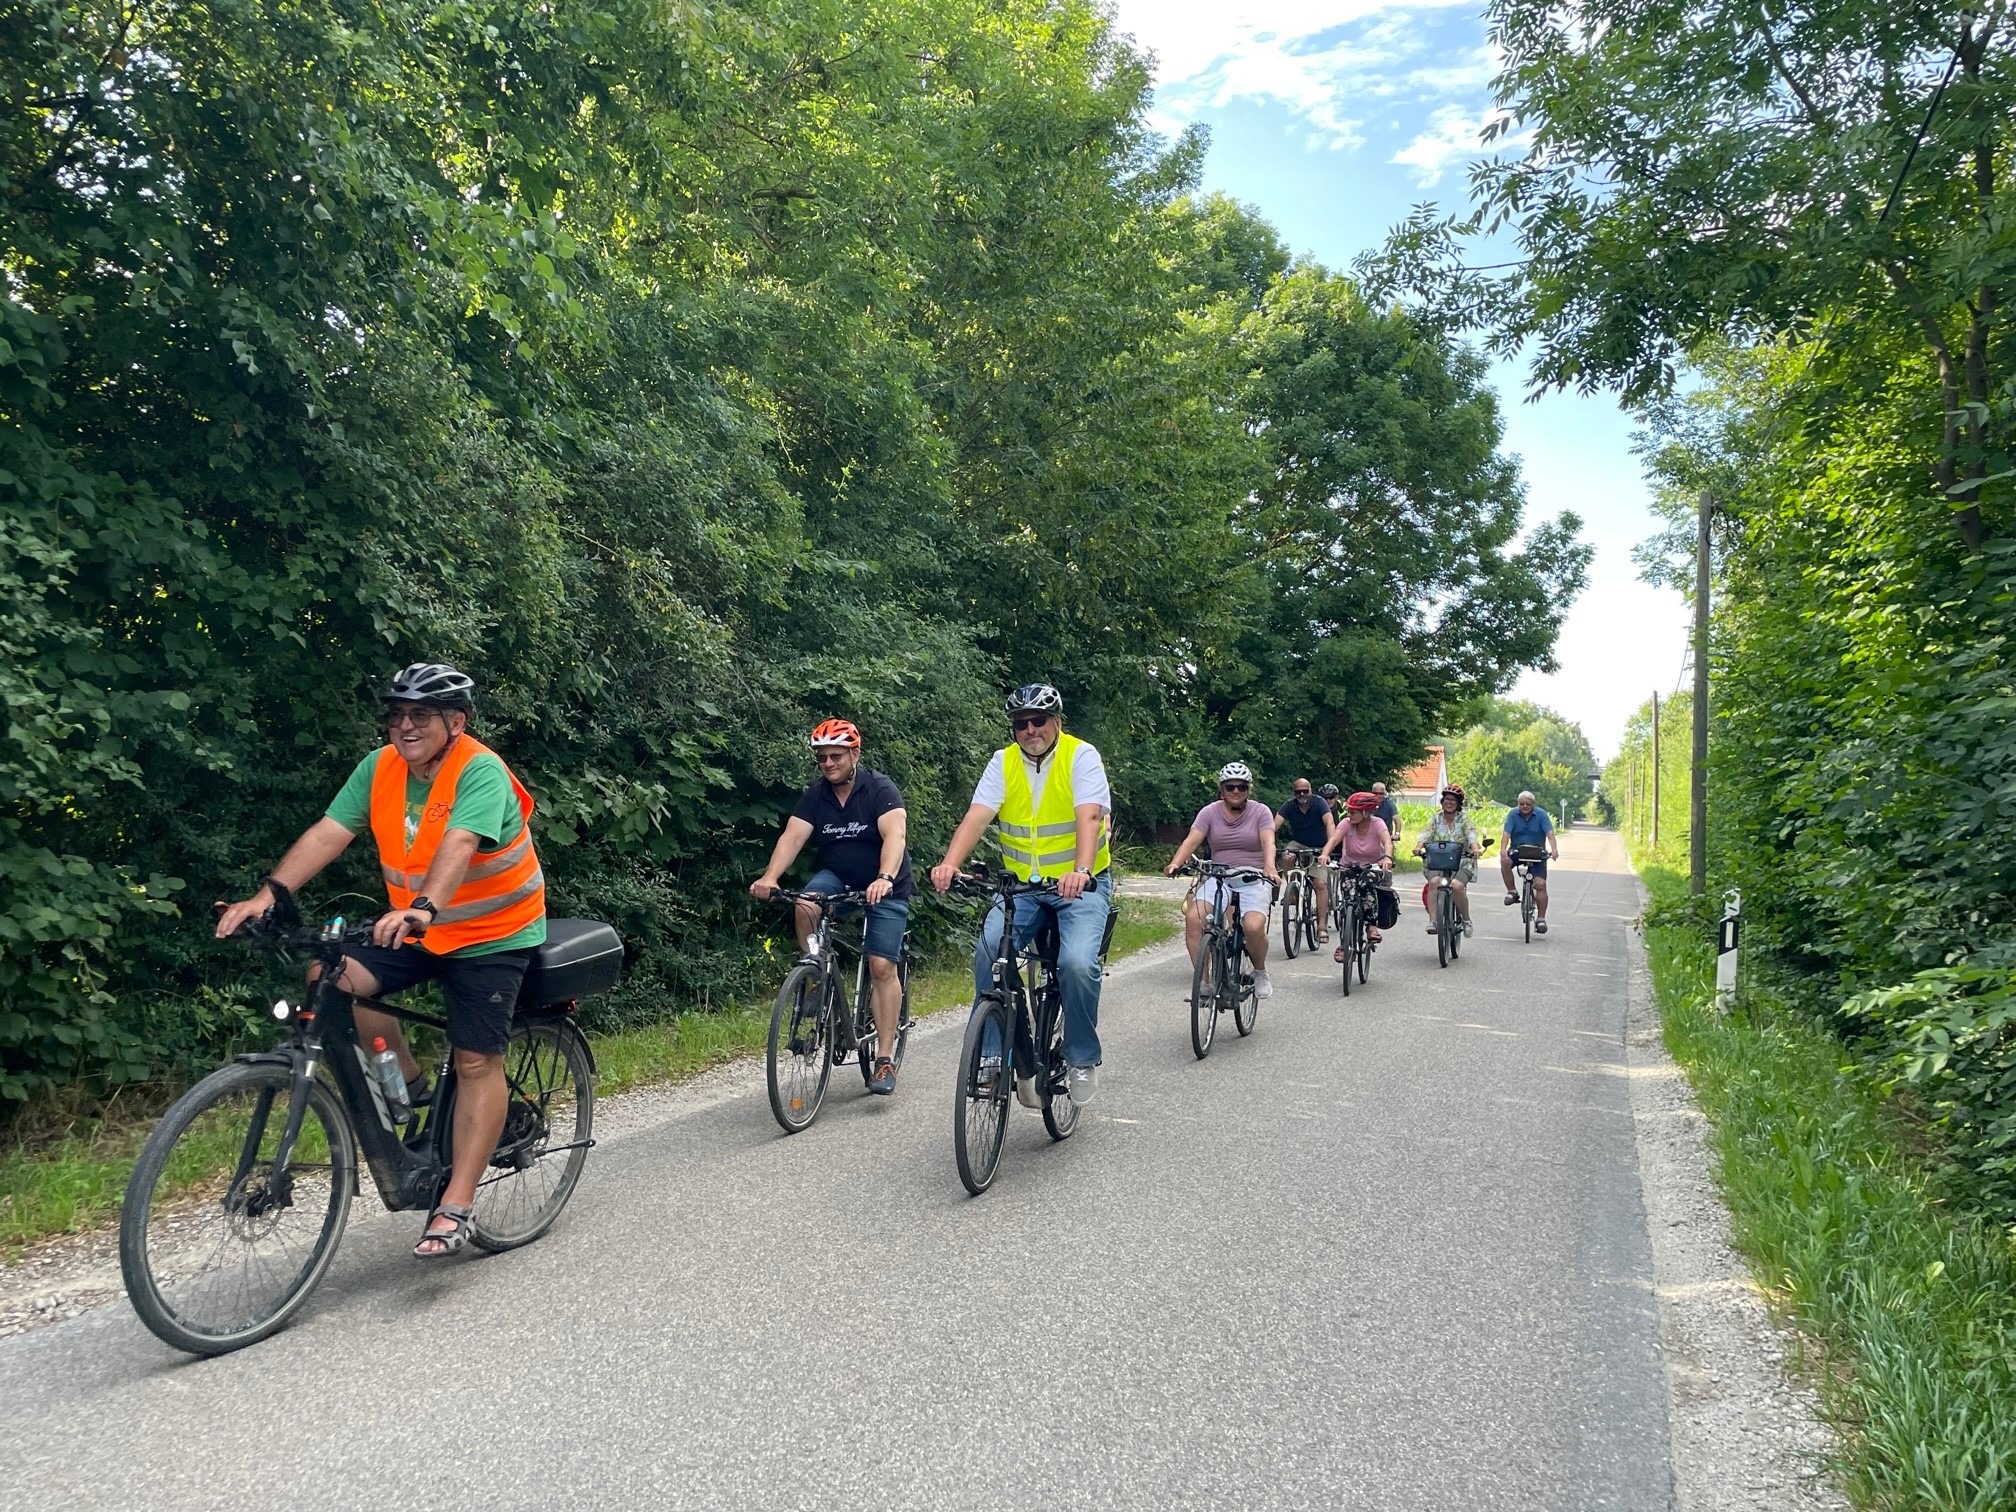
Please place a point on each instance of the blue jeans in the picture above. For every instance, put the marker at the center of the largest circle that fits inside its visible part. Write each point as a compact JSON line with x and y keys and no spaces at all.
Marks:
{"x":1081,"y":925}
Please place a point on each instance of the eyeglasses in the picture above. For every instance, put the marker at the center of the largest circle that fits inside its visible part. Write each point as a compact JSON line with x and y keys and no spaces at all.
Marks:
{"x":823,"y":757}
{"x":417,"y":718}
{"x":1234,"y":787}
{"x":1028,"y":722}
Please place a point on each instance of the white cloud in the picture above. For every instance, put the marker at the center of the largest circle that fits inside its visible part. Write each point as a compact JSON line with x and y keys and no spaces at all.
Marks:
{"x":1324,"y":60}
{"x":1453,"y":135}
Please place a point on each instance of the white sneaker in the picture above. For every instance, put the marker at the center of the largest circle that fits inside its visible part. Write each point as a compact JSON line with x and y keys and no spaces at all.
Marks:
{"x":1083,"y":1082}
{"x":1262,"y":987}
{"x":1466,"y":929}
{"x":1025,"y":1092}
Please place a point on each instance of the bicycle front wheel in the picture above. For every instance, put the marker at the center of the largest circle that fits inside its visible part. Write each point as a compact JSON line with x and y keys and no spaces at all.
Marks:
{"x":1347,"y":936}
{"x":217,"y":1245}
{"x":1204,"y":997}
{"x":1526,"y":908}
{"x":798,"y":1063}
{"x":980,"y":1103}
{"x":1445,"y":921}
{"x":548,"y":1127}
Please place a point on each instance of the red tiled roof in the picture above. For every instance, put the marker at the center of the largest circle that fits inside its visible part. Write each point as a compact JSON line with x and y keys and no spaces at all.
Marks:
{"x":1422,"y":776}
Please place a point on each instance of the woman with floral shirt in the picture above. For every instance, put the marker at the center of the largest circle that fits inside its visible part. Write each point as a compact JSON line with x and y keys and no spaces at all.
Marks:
{"x":1452,"y":824}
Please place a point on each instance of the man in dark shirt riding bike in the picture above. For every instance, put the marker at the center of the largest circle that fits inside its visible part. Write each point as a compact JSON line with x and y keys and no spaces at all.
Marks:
{"x":857,"y":818}
{"x":1305,"y":820}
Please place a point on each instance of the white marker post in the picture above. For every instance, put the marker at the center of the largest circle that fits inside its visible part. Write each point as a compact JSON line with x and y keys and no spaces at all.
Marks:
{"x":1726,"y":949}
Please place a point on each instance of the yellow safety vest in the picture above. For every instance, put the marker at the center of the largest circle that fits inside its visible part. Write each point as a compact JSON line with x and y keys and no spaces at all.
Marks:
{"x":1042,"y":842}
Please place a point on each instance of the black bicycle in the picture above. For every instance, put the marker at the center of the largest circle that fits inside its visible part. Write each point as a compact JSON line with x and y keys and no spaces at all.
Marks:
{"x":1354,"y":904}
{"x":1023,"y":1009}
{"x":1217,"y":982}
{"x":235,"y":1209}
{"x":1523,"y":857}
{"x":1299,"y":923}
{"x":815,"y":1025}
{"x":1442,"y":860}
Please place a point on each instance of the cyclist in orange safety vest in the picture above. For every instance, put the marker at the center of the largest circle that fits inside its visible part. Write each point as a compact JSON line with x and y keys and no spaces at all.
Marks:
{"x":453,"y":830}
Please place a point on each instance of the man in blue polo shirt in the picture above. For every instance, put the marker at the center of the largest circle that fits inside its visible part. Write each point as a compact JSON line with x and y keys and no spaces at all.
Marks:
{"x":856,"y":818}
{"x":1305,"y":820}
{"x":1528,"y":825}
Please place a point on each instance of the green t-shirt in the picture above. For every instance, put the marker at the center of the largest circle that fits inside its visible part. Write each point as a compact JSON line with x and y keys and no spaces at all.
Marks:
{"x":484,"y":805}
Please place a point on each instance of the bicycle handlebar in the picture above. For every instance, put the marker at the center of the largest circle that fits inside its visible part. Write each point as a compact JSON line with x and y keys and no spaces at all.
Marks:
{"x":826,"y":902}
{"x":1001,"y":884}
{"x":1195,"y":868}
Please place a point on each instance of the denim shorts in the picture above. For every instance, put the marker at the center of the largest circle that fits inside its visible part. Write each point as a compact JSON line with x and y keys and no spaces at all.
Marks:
{"x":886,"y":920}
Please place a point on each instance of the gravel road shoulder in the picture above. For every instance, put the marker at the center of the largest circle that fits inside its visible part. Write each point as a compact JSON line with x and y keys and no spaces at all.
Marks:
{"x":1746,"y":1437}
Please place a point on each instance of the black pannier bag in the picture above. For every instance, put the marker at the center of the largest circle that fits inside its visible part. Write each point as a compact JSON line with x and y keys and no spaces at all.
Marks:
{"x":1389,"y":908}
{"x":581,"y":957}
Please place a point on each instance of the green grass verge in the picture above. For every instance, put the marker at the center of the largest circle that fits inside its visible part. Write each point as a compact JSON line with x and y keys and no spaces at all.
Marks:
{"x":1912,"y":1305}
{"x":72,"y":1179}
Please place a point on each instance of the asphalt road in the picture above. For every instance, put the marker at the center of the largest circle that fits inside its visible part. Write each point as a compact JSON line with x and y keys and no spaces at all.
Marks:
{"x":1387,"y":1252}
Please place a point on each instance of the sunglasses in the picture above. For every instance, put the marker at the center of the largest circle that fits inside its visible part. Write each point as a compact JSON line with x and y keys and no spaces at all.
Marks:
{"x":1028,"y":722}
{"x":1303,"y":792}
{"x":825,"y":757}
{"x":418,"y":718}
{"x":1234,"y":787}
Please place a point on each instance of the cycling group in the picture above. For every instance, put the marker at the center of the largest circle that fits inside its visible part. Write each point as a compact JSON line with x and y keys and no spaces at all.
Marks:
{"x":491,"y":1148}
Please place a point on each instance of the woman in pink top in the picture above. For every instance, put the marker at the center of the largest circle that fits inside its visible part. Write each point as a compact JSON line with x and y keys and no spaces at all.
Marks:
{"x":1364,"y":840}
{"x":1240,"y":833}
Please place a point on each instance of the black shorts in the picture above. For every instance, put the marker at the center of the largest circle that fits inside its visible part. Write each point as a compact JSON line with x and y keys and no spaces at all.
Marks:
{"x":481,"y":990}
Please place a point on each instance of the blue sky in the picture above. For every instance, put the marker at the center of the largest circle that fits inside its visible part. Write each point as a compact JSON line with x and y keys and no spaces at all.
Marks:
{"x":1334,"y":118}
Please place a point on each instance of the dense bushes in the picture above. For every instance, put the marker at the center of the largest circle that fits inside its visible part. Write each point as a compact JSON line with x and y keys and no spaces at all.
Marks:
{"x":686,"y":374}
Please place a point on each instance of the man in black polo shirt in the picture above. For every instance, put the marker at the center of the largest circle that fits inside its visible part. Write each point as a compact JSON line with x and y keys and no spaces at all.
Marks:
{"x":856,"y":815}
{"x":1305,"y":820}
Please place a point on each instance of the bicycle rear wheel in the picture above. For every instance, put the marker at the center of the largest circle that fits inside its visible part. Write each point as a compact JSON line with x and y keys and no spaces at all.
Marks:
{"x":870,"y":1050}
{"x":799,"y":1062}
{"x":216,"y":1247}
{"x":1312,"y":917}
{"x":1245,"y":1002}
{"x":1292,"y":906}
{"x":1204,"y":996}
{"x":1347,"y":937}
{"x":1364,"y":948}
{"x":1060,"y":1114}
{"x":980,"y":1103}
{"x":547,"y":1130}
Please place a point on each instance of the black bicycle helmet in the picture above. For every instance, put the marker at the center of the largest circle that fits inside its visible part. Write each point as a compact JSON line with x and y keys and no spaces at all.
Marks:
{"x":1035,"y":698}
{"x":434,"y":683}
{"x":1328,"y":790}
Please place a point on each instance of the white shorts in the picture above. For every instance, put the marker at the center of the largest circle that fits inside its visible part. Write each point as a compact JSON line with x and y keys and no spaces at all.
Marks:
{"x":1254,"y":897}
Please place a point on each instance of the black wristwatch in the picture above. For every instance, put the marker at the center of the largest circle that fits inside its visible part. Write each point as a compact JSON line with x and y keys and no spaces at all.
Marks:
{"x":426,"y":903}
{"x":885,"y":876}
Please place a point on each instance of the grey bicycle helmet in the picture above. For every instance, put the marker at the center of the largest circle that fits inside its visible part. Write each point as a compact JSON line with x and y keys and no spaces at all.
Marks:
{"x":1035,"y":698}
{"x":1328,"y":790}
{"x":434,"y":683}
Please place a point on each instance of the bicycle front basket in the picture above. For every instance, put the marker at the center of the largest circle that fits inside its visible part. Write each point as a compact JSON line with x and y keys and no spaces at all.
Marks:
{"x":1444,"y":855}
{"x":1529,"y":853}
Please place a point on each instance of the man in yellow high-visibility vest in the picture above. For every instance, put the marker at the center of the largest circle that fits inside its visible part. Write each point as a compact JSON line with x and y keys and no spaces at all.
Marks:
{"x":1048,"y":797}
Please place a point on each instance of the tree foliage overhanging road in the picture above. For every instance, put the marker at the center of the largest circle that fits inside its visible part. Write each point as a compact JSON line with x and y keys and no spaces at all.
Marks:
{"x":687,"y":373}
{"x":1810,"y":210}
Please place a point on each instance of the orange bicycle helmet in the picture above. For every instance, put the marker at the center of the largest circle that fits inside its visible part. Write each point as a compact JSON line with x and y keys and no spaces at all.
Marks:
{"x":1454,"y":790}
{"x":835,"y":732}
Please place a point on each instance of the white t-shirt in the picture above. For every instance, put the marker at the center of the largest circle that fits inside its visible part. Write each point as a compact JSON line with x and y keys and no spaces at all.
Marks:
{"x":1088,"y":779}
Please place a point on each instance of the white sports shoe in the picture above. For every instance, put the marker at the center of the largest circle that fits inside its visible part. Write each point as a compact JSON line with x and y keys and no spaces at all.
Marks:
{"x":1083,"y":1082}
{"x":1262,"y":987}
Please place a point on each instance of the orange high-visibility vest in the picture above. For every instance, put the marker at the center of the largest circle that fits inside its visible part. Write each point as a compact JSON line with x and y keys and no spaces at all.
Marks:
{"x":503,"y":891}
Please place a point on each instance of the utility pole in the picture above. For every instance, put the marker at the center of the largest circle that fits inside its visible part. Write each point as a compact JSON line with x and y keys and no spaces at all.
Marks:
{"x":1655,"y":769}
{"x":1697,"y":785}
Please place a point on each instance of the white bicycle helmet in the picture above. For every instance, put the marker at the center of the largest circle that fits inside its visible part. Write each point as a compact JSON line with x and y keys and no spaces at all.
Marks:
{"x":1235,"y":771}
